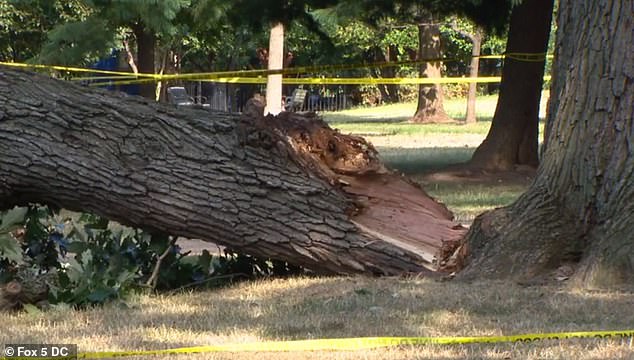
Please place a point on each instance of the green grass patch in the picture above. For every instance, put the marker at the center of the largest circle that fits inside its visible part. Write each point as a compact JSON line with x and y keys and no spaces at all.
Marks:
{"x":422,"y":160}
{"x":405,"y":128}
{"x":392,"y":119}
{"x":467,"y":201}
{"x":391,"y":113}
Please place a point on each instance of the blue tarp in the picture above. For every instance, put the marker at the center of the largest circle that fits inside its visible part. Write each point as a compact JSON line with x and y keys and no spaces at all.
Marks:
{"x":111,"y":63}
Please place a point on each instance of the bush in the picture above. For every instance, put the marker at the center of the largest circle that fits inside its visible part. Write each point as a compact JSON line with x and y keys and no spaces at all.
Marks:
{"x":86,"y":260}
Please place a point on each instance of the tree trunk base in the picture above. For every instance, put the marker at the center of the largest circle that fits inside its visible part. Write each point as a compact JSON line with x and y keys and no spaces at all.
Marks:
{"x":550,"y":245}
{"x":27,"y":288}
{"x":439,"y":118}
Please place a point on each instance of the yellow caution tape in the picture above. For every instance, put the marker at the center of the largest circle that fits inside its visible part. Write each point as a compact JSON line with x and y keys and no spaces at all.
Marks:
{"x":364,"y":343}
{"x":71,"y":69}
{"x":254,"y":73}
{"x":331,"y":81}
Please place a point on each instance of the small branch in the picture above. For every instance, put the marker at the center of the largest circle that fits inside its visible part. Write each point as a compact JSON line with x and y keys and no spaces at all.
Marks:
{"x":151,"y":282}
{"x":130,"y":56}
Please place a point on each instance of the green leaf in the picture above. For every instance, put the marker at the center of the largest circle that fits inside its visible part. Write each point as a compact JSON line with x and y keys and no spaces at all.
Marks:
{"x":77,"y":247}
{"x":100,"y":295}
{"x":31,"y":309}
{"x":125,"y":277}
{"x":12,"y":217}
{"x":10,"y":249}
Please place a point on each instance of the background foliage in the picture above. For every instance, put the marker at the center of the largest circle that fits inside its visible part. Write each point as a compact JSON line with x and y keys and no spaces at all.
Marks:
{"x":87,"y":260}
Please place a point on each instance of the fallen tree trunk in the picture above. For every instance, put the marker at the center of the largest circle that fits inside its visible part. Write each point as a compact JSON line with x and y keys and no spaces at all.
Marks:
{"x":286,"y":187}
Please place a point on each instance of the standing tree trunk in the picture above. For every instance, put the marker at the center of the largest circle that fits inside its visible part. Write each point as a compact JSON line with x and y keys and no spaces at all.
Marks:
{"x":389,"y":92}
{"x":430,"y":97}
{"x":578,"y":212}
{"x":146,"y":43}
{"x":287,"y":187}
{"x":513,"y":137}
{"x":476,"y":41}
{"x":276,"y":61}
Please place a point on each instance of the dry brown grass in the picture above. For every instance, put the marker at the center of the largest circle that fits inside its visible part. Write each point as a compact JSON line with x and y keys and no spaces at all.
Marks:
{"x":308,"y":308}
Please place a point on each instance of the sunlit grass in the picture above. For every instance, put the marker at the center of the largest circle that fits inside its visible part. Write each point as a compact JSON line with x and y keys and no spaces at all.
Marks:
{"x":456,"y":108}
{"x":392,"y":119}
{"x":467,"y":201}
{"x":339,"y":307}
{"x":405,"y":128}
{"x":423,"y":159}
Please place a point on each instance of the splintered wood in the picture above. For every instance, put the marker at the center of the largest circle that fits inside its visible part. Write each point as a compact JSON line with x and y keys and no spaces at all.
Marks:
{"x":387,"y":206}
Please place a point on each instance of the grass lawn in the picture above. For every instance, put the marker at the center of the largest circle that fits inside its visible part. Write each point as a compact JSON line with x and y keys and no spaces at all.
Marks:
{"x":336,"y":307}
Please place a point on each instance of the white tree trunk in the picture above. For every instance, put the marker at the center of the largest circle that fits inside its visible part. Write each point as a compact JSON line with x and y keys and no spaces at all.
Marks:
{"x":276,"y":61}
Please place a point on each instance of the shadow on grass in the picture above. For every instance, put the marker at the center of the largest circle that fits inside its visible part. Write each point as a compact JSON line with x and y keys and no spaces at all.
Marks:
{"x":423,"y":160}
{"x":335,"y":307}
{"x":351,"y":119}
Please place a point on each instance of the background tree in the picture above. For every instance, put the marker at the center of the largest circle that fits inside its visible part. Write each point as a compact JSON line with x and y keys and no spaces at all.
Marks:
{"x":275,"y":15}
{"x":24,"y":25}
{"x":513,"y":137}
{"x":578,"y":210}
{"x":429,"y":108}
{"x":84,"y":41}
{"x":426,"y":15}
{"x":475,"y":36}
{"x":276,"y":61}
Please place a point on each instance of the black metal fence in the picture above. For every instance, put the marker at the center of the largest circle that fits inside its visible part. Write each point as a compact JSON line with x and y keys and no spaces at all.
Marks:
{"x":233,"y":97}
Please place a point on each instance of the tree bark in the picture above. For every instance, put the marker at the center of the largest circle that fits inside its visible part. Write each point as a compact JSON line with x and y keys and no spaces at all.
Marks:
{"x":146,"y":43}
{"x":276,"y":61}
{"x":513,"y":137}
{"x":389,"y":92}
{"x":476,"y":41}
{"x":430,"y":97}
{"x":578,"y":212}
{"x":286,"y":187}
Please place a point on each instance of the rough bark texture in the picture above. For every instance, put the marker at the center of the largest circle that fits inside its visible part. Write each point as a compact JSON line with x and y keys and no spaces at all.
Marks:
{"x":513,"y":137}
{"x":430,"y":97}
{"x":276,"y":61}
{"x":285,"y":187}
{"x":389,"y":92}
{"x":578,"y":213}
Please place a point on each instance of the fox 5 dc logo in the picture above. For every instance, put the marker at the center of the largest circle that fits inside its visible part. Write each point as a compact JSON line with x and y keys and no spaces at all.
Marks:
{"x":40,"y":351}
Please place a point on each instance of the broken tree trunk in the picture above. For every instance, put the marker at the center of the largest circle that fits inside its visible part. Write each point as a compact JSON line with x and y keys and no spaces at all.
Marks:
{"x":286,"y":187}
